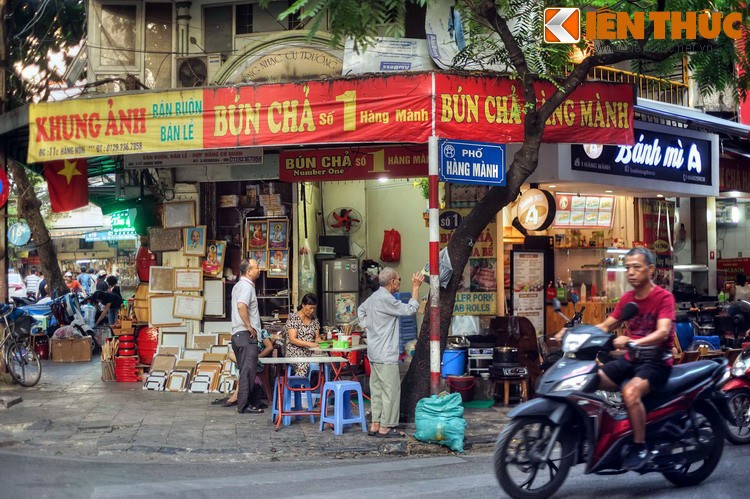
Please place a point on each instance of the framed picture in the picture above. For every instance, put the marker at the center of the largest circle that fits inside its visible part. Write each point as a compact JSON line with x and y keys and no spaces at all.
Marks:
{"x":195,"y":241}
{"x":174,"y":339}
{"x":160,"y":311}
{"x":213,"y":265}
{"x":213,"y":292}
{"x":180,"y":214}
{"x":261,"y":257}
{"x":160,"y":239}
{"x":188,"y":307}
{"x":161,"y":280}
{"x":278,"y":263}
{"x":257,"y":234}
{"x":188,"y":279}
{"x":278,"y":234}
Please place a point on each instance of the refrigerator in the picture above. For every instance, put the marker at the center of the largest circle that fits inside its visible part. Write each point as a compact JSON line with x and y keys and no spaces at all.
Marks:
{"x":339,"y":290}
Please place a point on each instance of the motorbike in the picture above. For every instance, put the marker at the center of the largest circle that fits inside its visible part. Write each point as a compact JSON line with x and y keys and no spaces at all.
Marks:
{"x":571,"y":422}
{"x":738,"y":393}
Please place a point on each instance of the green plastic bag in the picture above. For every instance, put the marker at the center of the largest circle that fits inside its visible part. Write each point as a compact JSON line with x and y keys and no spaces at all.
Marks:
{"x":440,"y":420}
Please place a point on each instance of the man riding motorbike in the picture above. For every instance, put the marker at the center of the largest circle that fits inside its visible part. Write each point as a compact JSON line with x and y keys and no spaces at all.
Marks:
{"x":652,"y":327}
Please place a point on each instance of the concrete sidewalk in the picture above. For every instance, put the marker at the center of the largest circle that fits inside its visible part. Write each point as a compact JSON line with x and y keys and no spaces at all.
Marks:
{"x":72,"y":413}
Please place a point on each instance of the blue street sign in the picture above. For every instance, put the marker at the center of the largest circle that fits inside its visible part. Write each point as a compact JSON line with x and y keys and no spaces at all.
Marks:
{"x":467,"y":162}
{"x":19,"y":234}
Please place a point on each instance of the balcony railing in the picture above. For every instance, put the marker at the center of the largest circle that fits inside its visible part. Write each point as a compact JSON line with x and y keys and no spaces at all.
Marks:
{"x":648,"y":87}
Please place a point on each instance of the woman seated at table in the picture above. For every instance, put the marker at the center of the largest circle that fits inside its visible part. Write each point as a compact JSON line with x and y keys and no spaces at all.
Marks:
{"x":303,"y":332}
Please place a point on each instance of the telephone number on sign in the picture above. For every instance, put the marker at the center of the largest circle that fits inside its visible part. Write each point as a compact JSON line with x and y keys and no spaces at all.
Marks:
{"x":127,"y":146}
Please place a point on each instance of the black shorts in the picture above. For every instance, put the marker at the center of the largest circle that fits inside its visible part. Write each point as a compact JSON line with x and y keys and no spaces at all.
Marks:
{"x":619,"y":370}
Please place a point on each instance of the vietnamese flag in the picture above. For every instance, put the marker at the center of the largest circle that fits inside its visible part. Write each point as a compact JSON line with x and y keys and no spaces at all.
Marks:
{"x":68,"y":184}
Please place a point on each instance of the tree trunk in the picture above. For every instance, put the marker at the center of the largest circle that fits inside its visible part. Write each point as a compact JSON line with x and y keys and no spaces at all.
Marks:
{"x":29,"y":210}
{"x":416,"y":383}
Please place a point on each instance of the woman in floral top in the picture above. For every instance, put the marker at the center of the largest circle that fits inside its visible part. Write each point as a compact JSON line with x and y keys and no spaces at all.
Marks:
{"x":303,"y":333}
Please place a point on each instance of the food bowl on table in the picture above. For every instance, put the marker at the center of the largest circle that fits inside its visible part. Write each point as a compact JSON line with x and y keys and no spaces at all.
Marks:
{"x":323,"y":345}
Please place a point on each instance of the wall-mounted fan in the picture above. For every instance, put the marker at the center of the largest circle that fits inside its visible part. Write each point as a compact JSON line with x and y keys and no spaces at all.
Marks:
{"x":343,"y":221}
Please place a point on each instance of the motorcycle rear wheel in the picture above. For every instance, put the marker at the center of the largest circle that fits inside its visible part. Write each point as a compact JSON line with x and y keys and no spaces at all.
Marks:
{"x":709,"y":421}
{"x":518,"y":452}
{"x":739,"y":433}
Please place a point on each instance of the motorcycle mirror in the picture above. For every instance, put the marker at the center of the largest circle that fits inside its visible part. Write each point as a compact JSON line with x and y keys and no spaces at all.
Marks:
{"x":556,"y":305}
{"x":629,"y":311}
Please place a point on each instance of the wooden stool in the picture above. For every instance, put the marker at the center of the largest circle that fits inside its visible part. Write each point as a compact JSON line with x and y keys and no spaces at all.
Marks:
{"x":506,"y":382}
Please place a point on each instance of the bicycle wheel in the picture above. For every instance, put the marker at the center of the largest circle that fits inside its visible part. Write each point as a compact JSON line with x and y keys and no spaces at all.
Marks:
{"x":23,"y":363}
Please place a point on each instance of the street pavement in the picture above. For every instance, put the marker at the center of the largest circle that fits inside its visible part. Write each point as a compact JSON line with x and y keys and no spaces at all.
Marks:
{"x":71,"y":413}
{"x":445,"y":477}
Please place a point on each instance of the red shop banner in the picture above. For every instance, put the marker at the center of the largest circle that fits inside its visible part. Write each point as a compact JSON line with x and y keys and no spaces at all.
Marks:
{"x":372,"y":109}
{"x":491,"y":109}
{"x":352,"y":163}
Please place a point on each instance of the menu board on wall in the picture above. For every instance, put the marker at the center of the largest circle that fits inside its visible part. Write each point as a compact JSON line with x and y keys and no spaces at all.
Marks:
{"x":478,"y":293}
{"x":528,"y":287}
{"x":584,"y":212}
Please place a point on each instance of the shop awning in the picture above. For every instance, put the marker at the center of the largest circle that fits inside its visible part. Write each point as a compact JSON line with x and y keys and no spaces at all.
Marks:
{"x":691,"y":117}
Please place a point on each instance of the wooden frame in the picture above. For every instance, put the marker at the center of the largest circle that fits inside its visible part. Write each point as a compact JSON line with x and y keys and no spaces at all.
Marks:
{"x":205,"y":340}
{"x":160,"y":311}
{"x":161,"y":280}
{"x":213,"y":265}
{"x":174,"y":339}
{"x":213,"y":292}
{"x":257,"y":234}
{"x":260,"y":256}
{"x":186,"y":279}
{"x":160,"y":239}
{"x":180,"y":214}
{"x":278,"y":234}
{"x":194,"y":241}
{"x":189,"y":307}
{"x":278,"y":263}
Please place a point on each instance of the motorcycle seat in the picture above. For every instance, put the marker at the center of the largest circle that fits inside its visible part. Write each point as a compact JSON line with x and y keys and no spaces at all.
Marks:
{"x":682,"y":377}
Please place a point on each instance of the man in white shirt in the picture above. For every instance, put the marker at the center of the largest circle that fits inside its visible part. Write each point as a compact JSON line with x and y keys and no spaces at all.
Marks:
{"x":246,"y":327}
{"x":32,"y":283}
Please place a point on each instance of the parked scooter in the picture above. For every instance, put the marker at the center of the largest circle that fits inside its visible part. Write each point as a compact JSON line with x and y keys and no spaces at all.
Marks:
{"x":571,"y":423}
{"x":738,"y":391}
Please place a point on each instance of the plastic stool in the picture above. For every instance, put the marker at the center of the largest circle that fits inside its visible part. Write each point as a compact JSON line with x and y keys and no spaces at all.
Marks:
{"x":293,"y":382}
{"x":342,"y":411}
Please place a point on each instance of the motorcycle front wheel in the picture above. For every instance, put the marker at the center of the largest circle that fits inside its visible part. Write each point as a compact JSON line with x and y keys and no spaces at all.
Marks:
{"x":710,"y":435}
{"x":739,"y":432}
{"x":519,"y":459}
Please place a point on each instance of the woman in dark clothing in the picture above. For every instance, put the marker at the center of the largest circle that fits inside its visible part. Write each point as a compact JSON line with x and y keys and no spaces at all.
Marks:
{"x":112,"y":285}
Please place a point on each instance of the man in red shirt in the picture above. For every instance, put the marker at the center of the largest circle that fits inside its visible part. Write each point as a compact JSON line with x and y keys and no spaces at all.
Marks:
{"x":653,"y":326}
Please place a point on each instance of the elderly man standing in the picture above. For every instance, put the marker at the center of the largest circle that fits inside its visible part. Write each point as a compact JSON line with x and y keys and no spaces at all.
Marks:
{"x":246,"y":327}
{"x":379,"y":315}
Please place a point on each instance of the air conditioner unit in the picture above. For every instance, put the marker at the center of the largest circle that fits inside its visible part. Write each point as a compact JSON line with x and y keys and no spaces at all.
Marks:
{"x":197,"y":70}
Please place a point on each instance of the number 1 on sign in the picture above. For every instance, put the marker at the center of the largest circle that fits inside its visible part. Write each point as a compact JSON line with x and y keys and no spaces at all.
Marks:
{"x":349,"y":98}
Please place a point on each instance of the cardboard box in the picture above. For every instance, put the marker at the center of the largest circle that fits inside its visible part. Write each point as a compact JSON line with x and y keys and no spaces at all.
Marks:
{"x":126,"y":324}
{"x":71,"y":350}
{"x":122,"y":331}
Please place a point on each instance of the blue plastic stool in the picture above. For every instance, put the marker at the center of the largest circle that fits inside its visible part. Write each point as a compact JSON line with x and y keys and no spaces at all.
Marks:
{"x":342,"y":407}
{"x":293,"y":382}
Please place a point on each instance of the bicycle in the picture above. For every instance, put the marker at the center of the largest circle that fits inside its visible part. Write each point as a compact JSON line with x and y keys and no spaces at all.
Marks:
{"x":21,"y":360}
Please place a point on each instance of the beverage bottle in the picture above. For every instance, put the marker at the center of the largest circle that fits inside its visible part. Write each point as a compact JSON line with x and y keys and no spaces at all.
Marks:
{"x":593,"y":289}
{"x":561,"y":292}
{"x":583,"y":291}
{"x":551,"y":292}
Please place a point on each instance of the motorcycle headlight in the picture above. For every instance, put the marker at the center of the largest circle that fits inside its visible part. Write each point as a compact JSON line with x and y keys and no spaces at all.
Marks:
{"x":574,"y":383}
{"x":573,"y":341}
{"x":739,"y":367}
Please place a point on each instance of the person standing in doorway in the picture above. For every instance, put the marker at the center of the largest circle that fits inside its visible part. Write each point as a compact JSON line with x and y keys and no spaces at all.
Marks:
{"x":246,"y":328}
{"x":741,"y":289}
{"x":101,"y":282}
{"x":379,"y":315}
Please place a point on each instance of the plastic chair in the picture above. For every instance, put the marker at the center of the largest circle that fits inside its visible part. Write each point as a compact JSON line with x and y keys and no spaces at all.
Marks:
{"x":342,"y":408}
{"x":293,"y":382}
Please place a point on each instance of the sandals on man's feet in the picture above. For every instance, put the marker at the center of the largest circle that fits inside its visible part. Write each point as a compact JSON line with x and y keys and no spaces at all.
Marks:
{"x":391,"y":433}
{"x":221,"y":401}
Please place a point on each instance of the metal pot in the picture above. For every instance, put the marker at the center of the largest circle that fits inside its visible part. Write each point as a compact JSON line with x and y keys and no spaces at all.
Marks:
{"x":505,"y":356}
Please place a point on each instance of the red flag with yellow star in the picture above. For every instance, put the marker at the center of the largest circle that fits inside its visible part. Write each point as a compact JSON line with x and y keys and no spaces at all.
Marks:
{"x":68,"y":183}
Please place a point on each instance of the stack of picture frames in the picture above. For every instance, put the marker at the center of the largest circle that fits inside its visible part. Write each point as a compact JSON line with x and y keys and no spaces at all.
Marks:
{"x":173,"y":291}
{"x":268,"y":243}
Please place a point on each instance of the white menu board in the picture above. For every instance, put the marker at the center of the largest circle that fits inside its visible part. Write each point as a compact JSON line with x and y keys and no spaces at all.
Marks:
{"x":528,"y":287}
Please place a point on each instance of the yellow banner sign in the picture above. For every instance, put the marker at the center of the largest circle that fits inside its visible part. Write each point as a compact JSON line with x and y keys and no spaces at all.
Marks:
{"x":116,"y":125}
{"x":475,"y":304}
